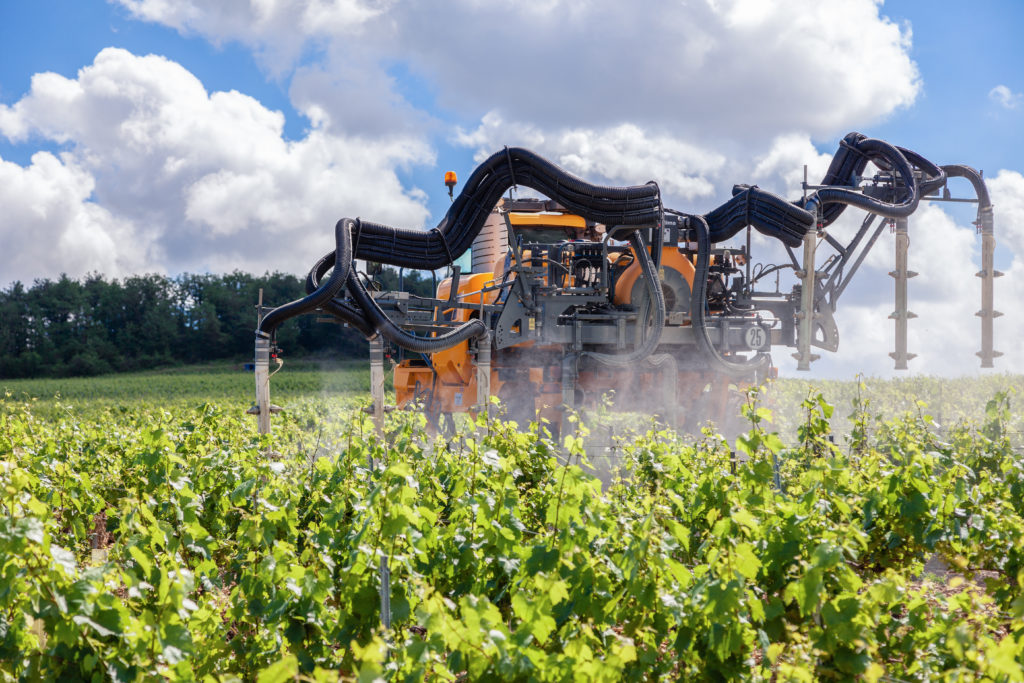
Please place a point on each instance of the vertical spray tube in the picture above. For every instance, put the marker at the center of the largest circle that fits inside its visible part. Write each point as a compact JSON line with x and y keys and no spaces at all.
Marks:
{"x":263,"y":384}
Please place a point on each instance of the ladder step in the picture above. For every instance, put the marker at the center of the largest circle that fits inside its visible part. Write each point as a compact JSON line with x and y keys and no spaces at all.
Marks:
{"x":897,"y":273}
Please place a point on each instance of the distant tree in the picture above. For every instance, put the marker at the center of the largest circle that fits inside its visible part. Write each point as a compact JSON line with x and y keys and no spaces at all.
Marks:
{"x":418,"y":282}
{"x":94,"y":325}
{"x":15,"y":318}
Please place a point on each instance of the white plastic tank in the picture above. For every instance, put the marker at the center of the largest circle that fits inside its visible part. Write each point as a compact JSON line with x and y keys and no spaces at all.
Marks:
{"x":491,"y":244}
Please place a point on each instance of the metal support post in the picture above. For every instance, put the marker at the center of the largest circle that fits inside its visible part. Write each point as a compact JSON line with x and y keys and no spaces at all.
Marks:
{"x":805,"y":315}
{"x":669,"y":369}
{"x":483,"y":371}
{"x":901,"y":315}
{"x":377,"y":380}
{"x":262,"y":372}
{"x":988,"y":273}
{"x":570,"y":373}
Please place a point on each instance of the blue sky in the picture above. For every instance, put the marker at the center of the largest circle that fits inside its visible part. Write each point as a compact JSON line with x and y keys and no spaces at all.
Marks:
{"x":227,"y":135}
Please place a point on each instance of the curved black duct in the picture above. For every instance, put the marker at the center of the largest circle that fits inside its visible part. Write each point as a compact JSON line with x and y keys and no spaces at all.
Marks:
{"x":338,"y":307}
{"x":653,"y":336}
{"x":768,"y":213}
{"x":631,"y":206}
{"x":393,"y":333}
{"x":890,"y":158}
{"x":368,"y":318}
{"x":852,"y":157}
{"x":346,"y":312}
{"x":788,"y":221}
{"x":985,"y":220}
{"x":698,"y":302}
{"x":342,"y":257}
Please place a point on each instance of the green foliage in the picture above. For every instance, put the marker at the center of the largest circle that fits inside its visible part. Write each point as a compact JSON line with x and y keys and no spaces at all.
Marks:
{"x":92,"y":326}
{"x":168,"y":541}
{"x":950,"y":402}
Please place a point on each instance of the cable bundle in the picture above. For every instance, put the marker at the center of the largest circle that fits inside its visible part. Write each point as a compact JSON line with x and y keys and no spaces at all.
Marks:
{"x":789,"y":221}
{"x":768,"y":213}
{"x":639,"y":206}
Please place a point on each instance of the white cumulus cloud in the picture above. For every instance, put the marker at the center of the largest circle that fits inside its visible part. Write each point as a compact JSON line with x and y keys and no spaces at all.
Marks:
{"x":723,"y":69}
{"x":1005,"y":97}
{"x":1007,"y":191}
{"x":49,"y":226}
{"x":623,"y":154}
{"x":704,"y":68}
{"x":277,"y":29}
{"x":202,"y":180}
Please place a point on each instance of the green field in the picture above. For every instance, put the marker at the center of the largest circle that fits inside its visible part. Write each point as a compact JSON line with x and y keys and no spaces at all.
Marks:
{"x":224,"y":381}
{"x":948,"y":401}
{"x":147,"y":533}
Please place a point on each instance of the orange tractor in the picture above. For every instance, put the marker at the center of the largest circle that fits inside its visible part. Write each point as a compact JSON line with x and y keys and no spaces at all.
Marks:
{"x":555,"y":255}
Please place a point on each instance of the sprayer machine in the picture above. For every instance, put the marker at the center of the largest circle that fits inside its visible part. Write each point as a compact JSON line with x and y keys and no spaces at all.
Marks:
{"x":592,"y":293}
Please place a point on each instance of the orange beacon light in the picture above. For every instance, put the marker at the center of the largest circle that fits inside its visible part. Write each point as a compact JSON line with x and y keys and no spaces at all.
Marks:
{"x":450,"y":179}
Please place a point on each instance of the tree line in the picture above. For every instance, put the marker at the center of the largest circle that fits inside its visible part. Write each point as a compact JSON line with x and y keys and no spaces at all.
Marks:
{"x":90,"y":326}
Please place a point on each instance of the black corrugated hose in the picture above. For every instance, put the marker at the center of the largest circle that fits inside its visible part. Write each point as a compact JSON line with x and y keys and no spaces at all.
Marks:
{"x":789,"y":222}
{"x":370,"y":320}
{"x":653,"y":335}
{"x":985,"y":220}
{"x":698,"y":300}
{"x":472,"y":329}
{"x":639,"y":205}
{"x":342,"y":257}
{"x":338,"y":307}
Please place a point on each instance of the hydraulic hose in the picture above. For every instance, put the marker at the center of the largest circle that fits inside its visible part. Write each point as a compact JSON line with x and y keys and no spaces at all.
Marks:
{"x":854,"y":153}
{"x":657,"y":297}
{"x":342,"y":263}
{"x":369,"y":319}
{"x":769,"y":213}
{"x":934,"y":176}
{"x":698,"y":300}
{"x":338,"y":307}
{"x":895,"y":160}
{"x":788,"y":222}
{"x":630,"y":206}
{"x":348,"y":313}
{"x":985,"y":220}
{"x":393,"y":333}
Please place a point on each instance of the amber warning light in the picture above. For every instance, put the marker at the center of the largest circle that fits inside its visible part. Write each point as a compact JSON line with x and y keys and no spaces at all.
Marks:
{"x":450,"y":180}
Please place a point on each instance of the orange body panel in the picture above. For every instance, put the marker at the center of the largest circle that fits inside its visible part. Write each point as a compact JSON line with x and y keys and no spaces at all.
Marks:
{"x":455,"y":387}
{"x":453,"y":365}
{"x":670,"y":258}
